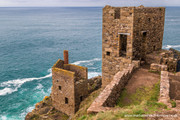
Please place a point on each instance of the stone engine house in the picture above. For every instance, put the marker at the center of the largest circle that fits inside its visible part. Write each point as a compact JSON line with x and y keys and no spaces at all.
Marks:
{"x":131,"y":37}
{"x":129,"y":33}
{"x":69,"y":85}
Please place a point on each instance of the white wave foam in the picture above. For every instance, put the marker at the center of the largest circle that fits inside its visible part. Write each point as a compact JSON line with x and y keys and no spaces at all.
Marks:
{"x":29,"y":109}
{"x":90,"y":63}
{"x":171,"y":46}
{"x":172,"y":16}
{"x":13,"y":85}
{"x":49,"y":90}
{"x":39,"y":86}
{"x":49,"y":70}
{"x":93,"y":68}
{"x":173,"y":20}
{"x":86,"y":61}
{"x":93,"y":74}
{"x":6,"y":91}
{"x":3,"y":118}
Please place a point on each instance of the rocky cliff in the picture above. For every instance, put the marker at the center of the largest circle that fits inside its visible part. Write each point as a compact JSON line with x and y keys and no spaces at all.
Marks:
{"x":44,"y":110}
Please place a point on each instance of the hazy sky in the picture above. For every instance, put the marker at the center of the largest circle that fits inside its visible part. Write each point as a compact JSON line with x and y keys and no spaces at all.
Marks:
{"x":6,"y":3}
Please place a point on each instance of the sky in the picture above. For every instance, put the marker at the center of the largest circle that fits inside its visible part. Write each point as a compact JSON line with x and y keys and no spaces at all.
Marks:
{"x":66,"y":3}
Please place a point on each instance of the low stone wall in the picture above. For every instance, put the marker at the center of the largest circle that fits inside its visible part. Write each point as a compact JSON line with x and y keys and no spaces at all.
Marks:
{"x":164,"y":88}
{"x":164,"y":82}
{"x":59,"y":64}
{"x":170,"y":58}
{"x":80,"y":72}
{"x":158,"y":67}
{"x":174,"y":86}
{"x":111,"y":93}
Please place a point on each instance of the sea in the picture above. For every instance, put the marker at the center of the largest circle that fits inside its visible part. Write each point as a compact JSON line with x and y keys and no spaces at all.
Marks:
{"x":32,"y":39}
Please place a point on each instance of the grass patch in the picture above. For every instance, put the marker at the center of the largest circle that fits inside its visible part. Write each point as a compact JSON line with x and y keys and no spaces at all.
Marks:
{"x":81,"y":114}
{"x":173,"y":103}
{"x":155,"y":92}
{"x":156,"y":72}
{"x":143,"y":101}
{"x":122,"y":97}
{"x":155,"y":105}
{"x":141,"y":94}
{"x":82,"y":117}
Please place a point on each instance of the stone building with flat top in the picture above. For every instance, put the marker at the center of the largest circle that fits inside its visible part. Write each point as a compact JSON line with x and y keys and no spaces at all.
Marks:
{"x":129,"y":33}
{"x":70,"y":85}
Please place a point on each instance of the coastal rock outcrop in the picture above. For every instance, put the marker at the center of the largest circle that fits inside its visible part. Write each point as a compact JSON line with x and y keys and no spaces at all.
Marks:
{"x":45,"y":111}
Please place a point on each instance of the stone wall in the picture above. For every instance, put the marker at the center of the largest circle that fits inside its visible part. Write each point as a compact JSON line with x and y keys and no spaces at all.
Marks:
{"x":110,"y":66}
{"x":80,"y":71}
{"x":148,"y":30}
{"x":129,"y":33}
{"x":169,"y":60}
{"x":164,"y":96}
{"x":81,"y":92}
{"x":116,"y":20}
{"x":62,"y":89}
{"x":165,"y":57}
{"x":164,"y":88}
{"x":113,"y":26}
{"x":69,"y":88}
{"x":111,"y":93}
{"x":158,"y":67}
{"x":174,"y":86}
{"x":59,"y":64}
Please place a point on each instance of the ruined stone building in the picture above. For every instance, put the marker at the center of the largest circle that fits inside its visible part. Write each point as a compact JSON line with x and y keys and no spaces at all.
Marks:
{"x":129,"y":33}
{"x":130,"y":36}
{"x":69,"y":85}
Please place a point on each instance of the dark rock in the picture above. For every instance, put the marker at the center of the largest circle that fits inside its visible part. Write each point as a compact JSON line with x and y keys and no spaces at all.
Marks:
{"x":94,"y":83}
{"x":44,"y":110}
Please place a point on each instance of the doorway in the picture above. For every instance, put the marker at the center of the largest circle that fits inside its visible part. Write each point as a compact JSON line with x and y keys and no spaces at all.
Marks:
{"x":178,"y":66}
{"x":123,"y":45}
{"x":143,"y":49}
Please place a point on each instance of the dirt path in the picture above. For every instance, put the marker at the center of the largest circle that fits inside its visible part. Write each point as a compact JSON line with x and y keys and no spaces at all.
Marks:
{"x":139,"y":87}
{"x":142,"y":77}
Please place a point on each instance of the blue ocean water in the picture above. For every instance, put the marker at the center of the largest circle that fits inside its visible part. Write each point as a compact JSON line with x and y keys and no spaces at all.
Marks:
{"x":32,"y":39}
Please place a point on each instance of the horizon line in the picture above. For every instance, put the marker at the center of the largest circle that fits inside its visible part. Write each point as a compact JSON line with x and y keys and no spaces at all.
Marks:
{"x":76,"y":6}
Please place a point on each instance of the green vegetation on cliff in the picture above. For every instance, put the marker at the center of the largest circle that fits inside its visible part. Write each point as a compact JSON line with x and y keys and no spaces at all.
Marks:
{"x":143,"y":101}
{"x":44,"y":111}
